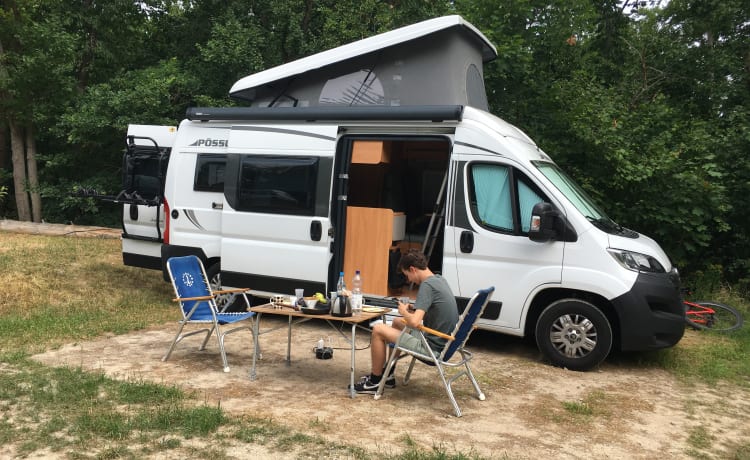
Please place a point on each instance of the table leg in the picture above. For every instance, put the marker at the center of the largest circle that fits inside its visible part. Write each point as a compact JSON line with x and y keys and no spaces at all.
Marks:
{"x":289,"y":343}
{"x":256,"y":331}
{"x":352,"y":393}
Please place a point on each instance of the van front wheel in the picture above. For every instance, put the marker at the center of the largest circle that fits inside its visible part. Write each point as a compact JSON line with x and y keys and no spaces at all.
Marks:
{"x":574,"y":334}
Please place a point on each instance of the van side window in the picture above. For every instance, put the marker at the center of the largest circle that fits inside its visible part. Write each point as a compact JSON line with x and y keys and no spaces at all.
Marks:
{"x":278,"y":185}
{"x":527,"y":198}
{"x":209,"y":172}
{"x":501,"y":197}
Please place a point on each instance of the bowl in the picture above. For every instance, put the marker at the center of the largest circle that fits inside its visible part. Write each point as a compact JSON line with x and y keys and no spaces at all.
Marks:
{"x":310,"y":303}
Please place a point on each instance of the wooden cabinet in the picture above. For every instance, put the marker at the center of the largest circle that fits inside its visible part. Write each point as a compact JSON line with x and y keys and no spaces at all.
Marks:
{"x":369,"y":235}
{"x":371,"y":152}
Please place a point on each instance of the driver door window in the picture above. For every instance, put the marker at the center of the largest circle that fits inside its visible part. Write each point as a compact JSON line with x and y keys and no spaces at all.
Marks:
{"x":502,"y":198}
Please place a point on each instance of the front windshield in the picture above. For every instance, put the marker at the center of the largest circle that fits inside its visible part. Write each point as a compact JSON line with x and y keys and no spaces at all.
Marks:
{"x":577,"y":196}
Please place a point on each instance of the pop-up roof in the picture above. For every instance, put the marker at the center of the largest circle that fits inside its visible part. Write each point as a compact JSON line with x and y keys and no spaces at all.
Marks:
{"x":434,"y":62}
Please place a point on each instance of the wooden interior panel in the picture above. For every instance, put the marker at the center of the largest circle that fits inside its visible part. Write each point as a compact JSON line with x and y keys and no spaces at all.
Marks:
{"x":369,"y":233}
{"x":371,"y":152}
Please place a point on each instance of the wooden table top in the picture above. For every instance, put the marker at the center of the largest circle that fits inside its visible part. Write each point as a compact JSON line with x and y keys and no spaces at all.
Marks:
{"x":289,"y":311}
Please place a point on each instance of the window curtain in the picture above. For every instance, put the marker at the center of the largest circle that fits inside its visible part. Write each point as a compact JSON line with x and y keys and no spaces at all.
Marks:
{"x":492,"y":191}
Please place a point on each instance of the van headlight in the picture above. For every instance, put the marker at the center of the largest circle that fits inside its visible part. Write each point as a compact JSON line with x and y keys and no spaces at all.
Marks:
{"x":636,"y":261}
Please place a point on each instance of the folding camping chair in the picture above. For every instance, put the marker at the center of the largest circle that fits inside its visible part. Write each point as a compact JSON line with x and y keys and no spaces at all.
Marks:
{"x":198,"y":304}
{"x":456,"y":342}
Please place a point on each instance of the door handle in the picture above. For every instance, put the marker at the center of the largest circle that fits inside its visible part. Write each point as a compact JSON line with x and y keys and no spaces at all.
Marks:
{"x":466,"y":242}
{"x":316,"y":230}
{"x":215,"y":205}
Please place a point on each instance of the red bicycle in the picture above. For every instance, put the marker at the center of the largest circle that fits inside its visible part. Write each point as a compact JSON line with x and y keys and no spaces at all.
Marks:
{"x":714,"y":316}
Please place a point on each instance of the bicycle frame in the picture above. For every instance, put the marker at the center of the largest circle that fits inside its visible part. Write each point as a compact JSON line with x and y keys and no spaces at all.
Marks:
{"x":699,"y":314}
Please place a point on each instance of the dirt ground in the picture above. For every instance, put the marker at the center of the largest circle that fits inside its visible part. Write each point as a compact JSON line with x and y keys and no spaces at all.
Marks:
{"x":532,"y":410}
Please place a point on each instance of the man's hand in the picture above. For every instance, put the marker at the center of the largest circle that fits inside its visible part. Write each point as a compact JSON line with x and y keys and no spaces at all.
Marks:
{"x":404,"y":308}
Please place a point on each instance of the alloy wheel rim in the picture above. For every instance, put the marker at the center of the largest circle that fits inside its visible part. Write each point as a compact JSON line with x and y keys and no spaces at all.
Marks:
{"x":573,"y":335}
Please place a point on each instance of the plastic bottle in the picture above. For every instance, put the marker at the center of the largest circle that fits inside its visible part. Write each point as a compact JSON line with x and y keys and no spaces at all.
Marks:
{"x":341,"y":285}
{"x":357,"y":293}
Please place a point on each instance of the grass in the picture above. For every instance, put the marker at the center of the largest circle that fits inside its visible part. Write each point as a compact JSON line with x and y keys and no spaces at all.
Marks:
{"x":708,"y":356}
{"x":59,"y":290}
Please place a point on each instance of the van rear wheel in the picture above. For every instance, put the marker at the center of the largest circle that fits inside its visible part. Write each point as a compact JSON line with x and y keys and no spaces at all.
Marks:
{"x":574,"y":334}
{"x":214,"y":279}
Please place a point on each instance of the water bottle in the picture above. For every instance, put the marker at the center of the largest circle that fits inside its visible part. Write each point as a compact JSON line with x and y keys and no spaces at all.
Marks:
{"x":340,"y":286}
{"x":357,"y":293}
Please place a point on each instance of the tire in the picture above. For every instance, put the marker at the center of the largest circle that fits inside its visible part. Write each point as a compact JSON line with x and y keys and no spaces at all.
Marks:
{"x":225,"y":302}
{"x":574,"y":334}
{"x":724,"y":319}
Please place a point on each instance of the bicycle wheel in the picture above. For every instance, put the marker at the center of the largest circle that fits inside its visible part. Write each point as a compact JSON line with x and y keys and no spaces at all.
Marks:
{"x":724,"y":319}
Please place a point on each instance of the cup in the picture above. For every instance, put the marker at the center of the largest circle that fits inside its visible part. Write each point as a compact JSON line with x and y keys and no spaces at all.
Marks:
{"x":299,"y":293}
{"x":334,"y":294}
{"x":356,"y":300}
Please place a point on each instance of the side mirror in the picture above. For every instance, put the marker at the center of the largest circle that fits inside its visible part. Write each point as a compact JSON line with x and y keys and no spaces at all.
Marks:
{"x":543,"y":223}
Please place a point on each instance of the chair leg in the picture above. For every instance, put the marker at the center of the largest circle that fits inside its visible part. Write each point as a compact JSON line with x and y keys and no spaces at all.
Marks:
{"x":474,"y":382}
{"x":208,"y":336}
{"x":179,"y":336}
{"x":408,"y":371}
{"x":391,"y":362}
{"x":448,"y":389}
{"x":176,"y":339}
{"x":220,"y":338}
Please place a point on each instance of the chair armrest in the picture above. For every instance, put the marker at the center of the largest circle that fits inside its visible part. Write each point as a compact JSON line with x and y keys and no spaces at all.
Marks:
{"x":426,"y":329}
{"x":229,"y":291}
{"x":204,"y":297}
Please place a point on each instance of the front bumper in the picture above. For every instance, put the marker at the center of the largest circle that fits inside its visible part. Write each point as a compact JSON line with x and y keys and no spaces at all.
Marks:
{"x":651,"y":314}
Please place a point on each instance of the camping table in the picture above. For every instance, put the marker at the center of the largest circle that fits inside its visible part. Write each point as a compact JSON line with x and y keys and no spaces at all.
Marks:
{"x":296,"y":317}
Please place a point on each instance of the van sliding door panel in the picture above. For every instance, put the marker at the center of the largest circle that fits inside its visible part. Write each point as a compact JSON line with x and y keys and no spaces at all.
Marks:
{"x":280,"y":195}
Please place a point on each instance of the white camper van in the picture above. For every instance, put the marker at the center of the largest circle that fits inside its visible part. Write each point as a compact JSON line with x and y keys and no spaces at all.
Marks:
{"x":345,"y":159}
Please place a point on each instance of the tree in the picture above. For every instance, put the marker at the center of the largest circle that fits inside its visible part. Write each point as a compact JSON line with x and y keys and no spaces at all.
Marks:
{"x":32,"y":53}
{"x":648,"y":112}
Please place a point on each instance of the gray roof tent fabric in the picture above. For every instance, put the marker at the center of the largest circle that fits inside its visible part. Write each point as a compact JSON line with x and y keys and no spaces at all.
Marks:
{"x":434,"y":62}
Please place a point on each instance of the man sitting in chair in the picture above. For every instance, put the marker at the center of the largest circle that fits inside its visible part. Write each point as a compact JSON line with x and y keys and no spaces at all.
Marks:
{"x":435,"y":307}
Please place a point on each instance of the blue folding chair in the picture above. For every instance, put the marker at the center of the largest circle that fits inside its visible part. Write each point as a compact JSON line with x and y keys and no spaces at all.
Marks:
{"x":198,"y":304}
{"x":455,"y":343}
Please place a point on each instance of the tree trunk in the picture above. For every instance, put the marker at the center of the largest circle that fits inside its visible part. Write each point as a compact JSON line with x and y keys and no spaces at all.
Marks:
{"x":36,"y":196}
{"x":19,"y":171}
{"x":4,"y":152}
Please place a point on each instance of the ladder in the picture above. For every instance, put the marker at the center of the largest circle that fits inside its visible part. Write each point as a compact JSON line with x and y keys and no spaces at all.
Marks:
{"x":436,"y":221}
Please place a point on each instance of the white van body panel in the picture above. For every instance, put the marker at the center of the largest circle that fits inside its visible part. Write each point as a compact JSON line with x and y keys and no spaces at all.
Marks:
{"x":588,"y":267}
{"x":148,"y":225}
{"x":515,"y":265}
{"x":140,"y":247}
{"x":199,"y":221}
{"x":644,"y":245}
{"x":281,"y":241}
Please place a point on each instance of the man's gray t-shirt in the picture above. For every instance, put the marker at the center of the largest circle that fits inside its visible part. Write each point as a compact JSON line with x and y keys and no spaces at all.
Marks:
{"x":441,"y":312}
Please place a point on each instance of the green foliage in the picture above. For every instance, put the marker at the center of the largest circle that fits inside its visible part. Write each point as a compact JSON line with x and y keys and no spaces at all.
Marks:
{"x":649,"y":112}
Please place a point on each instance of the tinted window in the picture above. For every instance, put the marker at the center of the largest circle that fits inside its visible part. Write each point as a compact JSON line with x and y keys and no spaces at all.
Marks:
{"x":278,"y":185}
{"x":209,"y":172}
{"x":143,"y":173}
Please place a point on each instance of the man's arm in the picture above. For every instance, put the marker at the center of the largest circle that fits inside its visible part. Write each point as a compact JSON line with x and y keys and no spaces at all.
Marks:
{"x":411,"y":317}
